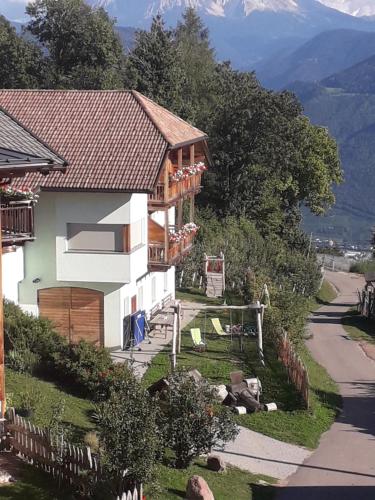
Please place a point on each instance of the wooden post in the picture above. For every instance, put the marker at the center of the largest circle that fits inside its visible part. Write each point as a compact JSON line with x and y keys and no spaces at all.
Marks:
{"x":260,"y":333}
{"x":166,"y":181}
{"x":174,"y":343}
{"x":192,"y":154}
{"x":178,"y":310}
{"x":2,"y":371}
{"x":166,"y":235}
{"x":192,"y":208}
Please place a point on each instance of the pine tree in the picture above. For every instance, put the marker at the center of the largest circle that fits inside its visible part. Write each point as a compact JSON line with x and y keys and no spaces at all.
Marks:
{"x":197,"y":59}
{"x":153,"y":68}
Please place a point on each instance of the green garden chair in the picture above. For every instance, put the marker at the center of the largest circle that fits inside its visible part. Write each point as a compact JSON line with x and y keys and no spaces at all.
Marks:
{"x":196,"y":337}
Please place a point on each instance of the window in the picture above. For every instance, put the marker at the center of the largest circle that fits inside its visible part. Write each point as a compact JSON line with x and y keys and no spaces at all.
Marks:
{"x":98,"y":237}
{"x":153,"y":289}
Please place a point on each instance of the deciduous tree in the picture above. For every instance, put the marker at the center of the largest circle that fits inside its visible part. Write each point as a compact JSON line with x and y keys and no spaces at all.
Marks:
{"x":20,"y":60}
{"x":83,"y":50}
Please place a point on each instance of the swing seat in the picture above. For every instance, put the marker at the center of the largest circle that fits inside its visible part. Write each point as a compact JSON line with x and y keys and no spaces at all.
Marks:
{"x":196,"y":337}
{"x":218,"y":328}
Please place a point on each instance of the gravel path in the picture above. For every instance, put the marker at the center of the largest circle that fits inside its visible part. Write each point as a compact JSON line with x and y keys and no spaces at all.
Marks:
{"x":343,"y":466}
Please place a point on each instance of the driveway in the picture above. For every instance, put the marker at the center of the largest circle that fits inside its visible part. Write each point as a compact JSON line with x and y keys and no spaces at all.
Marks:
{"x":343,"y":466}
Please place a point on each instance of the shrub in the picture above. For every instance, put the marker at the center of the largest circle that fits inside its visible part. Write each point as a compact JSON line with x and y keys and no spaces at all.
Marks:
{"x":29,"y":401}
{"x":192,"y":425}
{"x":128,"y":435}
{"x":362,"y":267}
{"x":83,"y":365}
{"x":23,"y":360}
{"x":27,"y":334}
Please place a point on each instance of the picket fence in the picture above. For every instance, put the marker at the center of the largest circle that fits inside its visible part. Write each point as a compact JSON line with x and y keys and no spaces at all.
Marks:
{"x":66,"y":462}
{"x":297,"y":371}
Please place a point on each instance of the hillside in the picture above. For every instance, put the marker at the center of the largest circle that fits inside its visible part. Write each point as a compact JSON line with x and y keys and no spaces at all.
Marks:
{"x":359,"y":78}
{"x":323,"y":55}
{"x":350,"y":117}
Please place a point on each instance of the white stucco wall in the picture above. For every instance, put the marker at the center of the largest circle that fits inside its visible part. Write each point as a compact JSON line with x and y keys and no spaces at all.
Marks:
{"x":12,"y":273}
{"x":48,"y":262}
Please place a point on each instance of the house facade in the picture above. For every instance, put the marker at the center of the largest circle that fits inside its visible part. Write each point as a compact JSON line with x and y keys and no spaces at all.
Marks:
{"x":107,"y":234}
{"x":20,"y":152}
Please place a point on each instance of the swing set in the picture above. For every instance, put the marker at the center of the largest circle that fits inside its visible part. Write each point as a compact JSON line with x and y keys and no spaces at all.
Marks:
{"x":231,"y":330}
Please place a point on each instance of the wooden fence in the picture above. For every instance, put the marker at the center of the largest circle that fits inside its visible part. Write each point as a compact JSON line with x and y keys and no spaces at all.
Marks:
{"x":66,"y":462}
{"x":366,"y":305}
{"x":297,"y":371}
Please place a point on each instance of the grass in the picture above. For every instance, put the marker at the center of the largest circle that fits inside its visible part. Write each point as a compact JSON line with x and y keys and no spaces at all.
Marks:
{"x":292,"y":423}
{"x":77,"y":410}
{"x":235,"y":483}
{"x":358,"y":327}
{"x":325,"y":295}
{"x":33,"y":484}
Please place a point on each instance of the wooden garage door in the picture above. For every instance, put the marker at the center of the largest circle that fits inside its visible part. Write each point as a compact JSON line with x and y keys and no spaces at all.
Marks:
{"x":77,"y":313}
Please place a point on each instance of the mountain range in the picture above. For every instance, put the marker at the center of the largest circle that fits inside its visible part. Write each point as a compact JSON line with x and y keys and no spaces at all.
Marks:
{"x":345,"y":103}
{"x":243,"y":31}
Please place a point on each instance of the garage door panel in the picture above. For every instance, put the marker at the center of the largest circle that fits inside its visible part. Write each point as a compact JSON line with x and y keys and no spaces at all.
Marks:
{"x":54,"y":304}
{"x":77,"y":313}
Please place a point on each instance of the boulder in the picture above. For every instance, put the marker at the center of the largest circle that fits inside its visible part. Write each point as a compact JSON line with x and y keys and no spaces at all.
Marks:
{"x":198,"y":489}
{"x":216,"y":463}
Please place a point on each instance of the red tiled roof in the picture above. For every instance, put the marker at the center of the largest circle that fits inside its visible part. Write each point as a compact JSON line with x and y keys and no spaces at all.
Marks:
{"x":113,"y":140}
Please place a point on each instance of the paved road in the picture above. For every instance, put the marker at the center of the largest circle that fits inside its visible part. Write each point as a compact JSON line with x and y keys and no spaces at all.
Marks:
{"x":343,"y":466}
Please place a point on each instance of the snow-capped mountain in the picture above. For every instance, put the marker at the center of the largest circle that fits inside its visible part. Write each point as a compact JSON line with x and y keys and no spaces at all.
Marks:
{"x":357,"y":8}
{"x":224,"y":7}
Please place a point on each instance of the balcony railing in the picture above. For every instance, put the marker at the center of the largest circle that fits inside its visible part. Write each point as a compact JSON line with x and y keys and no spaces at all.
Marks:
{"x":17,"y":223}
{"x":175,"y":189}
{"x":157,"y":252}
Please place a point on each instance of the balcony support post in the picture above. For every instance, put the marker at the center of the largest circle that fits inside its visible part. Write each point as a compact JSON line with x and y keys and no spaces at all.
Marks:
{"x":192,"y":208}
{"x":166,"y":234}
{"x":166,"y":181}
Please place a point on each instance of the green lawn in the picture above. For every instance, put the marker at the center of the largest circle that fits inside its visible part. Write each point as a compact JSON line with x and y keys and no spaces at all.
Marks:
{"x":235,"y":483}
{"x":358,"y":327}
{"x":77,"y":410}
{"x":292,"y":423}
{"x":34,"y":484}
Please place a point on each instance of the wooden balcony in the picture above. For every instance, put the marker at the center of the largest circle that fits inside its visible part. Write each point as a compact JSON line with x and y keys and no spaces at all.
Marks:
{"x":17,"y":223}
{"x":168,"y":192}
{"x":162,"y":253}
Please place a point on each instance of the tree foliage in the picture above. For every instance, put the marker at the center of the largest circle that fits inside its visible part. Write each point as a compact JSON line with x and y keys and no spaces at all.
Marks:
{"x":20,"y":61}
{"x":83,"y":50}
{"x":193,"y":426}
{"x":197,"y":59}
{"x":268,"y":158}
{"x":152,"y":67}
{"x":128,"y":436}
